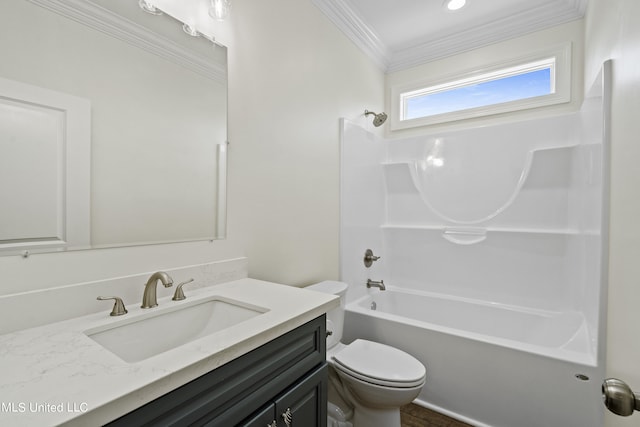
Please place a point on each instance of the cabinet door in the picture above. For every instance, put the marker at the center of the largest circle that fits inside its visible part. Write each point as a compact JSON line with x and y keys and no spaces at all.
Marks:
{"x":263,"y":418}
{"x":305,"y":404}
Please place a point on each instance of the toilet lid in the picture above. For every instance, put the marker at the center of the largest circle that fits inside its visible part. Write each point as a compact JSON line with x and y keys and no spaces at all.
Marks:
{"x":380,"y":364}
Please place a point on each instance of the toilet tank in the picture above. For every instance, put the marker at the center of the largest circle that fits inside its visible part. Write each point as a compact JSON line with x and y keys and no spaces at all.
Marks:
{"x":335,"y":317}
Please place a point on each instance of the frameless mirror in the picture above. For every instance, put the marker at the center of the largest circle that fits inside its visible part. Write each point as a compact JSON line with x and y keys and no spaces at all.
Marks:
{"x":113,"y":127}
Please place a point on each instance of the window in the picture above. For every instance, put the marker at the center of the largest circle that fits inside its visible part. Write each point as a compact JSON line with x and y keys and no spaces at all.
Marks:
{"x":525,"y":84}
{"x":512,"y":84}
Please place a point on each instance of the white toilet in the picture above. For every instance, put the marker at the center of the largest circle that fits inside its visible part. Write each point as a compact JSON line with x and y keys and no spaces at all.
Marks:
{"x":371,"y":378}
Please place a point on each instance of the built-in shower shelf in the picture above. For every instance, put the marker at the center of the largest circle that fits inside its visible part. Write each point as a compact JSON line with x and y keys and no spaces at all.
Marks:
{"x":480,"y":230}
{"x":398,"y":163}
{"x":537,"y":186}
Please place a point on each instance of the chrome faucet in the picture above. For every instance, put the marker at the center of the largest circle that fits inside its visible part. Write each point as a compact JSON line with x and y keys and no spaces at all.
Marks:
{"x":149,"y":298}
{"x":374,"y":284}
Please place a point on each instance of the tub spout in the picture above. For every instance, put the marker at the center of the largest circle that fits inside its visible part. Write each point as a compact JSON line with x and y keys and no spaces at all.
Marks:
{"x":375,"y":284}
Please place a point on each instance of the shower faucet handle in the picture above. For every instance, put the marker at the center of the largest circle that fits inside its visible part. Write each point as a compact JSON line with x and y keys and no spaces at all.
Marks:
{"x":369,"y":258}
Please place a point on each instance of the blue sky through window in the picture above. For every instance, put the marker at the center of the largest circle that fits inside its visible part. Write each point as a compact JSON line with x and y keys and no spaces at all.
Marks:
{"x":512,"y":88}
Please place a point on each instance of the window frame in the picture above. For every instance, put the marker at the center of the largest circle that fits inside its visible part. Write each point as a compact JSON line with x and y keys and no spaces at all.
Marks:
{"x":561,"y":81}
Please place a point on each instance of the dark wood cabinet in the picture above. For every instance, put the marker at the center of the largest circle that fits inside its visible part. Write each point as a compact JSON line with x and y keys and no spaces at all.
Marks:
{"x":286,"y":374}
{"x":303,"y":405}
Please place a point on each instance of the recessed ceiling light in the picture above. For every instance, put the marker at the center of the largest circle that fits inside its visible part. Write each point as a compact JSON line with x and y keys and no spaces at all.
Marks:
{"x":455,"y":4}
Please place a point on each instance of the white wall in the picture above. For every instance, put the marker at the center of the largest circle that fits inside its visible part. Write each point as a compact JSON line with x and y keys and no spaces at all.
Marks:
{"x":292,"y":74}
{"x":612,"y":31}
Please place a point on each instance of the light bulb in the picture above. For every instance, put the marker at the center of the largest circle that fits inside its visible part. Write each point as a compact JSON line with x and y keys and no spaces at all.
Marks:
{"x":191,"y":30}
{"x":148,"y":7}
{"x":455,"y":4}
{"x":219,"y":9}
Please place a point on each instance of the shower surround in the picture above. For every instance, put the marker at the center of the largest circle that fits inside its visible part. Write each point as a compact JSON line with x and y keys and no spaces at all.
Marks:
{"x":493,"y":249}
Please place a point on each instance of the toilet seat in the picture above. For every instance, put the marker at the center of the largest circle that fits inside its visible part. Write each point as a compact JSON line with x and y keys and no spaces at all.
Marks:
{"x":380,"y":364}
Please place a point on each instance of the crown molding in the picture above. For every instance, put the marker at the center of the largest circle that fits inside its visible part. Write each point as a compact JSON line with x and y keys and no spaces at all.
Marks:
{"x":538,"y":17}
{"x":353,"y":26}
{"x":114,"y":25}
{"x":580,"y":6}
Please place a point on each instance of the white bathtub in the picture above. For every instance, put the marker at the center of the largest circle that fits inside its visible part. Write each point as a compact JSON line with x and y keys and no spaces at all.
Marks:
{"x":488,"y":364}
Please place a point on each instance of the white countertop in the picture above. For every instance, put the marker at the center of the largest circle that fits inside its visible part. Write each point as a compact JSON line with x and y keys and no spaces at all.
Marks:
{"x":55,"y":374}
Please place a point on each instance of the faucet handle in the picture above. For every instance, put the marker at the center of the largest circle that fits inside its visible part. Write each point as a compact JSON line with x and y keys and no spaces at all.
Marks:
{"x":179,"y":294}
{"x":118,"y":306}
{"x":369,"y":258}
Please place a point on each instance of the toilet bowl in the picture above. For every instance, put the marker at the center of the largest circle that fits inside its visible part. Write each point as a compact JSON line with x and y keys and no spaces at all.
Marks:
{"x":372,"y":378}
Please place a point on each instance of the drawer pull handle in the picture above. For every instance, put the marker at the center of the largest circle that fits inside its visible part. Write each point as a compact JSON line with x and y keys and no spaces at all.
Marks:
{"x":287,"y":417}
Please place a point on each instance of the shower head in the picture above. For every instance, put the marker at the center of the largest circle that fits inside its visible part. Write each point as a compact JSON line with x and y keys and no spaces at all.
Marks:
{"x":378,"y":119}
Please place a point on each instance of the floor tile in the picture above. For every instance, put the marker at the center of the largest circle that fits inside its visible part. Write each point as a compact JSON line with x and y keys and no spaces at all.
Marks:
{"x":416,"y":416}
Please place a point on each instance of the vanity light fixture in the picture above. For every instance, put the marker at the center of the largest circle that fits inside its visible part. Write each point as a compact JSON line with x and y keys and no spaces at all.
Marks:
{"x":190,"y":30}
{"x":148,"y":7}
{"x":455,"y":4}
{"x":220,"y":9}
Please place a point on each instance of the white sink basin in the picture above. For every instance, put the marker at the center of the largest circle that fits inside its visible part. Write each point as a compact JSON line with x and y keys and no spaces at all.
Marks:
{"x":139,"y":338}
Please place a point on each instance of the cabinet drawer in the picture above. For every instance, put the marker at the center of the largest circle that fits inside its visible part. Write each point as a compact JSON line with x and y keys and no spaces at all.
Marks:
{"x":252,"y":379}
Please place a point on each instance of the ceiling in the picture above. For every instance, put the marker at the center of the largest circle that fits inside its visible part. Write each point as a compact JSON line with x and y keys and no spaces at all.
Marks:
{"x":401,"y":34}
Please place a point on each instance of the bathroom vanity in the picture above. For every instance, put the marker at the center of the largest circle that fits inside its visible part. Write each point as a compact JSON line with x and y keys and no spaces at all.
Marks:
{"x":285,"y":379}
{"x":262,"y":370}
